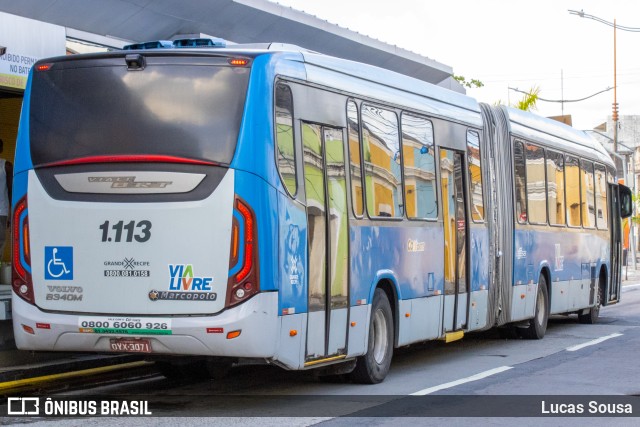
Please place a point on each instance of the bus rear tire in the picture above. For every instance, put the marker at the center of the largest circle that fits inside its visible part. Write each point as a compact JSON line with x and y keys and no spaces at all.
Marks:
{"x":538,"y":324}
{"x":373,"y":367}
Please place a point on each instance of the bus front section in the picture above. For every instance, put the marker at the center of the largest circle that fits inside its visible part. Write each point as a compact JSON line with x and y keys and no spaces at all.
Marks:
{"x":130,"y":233}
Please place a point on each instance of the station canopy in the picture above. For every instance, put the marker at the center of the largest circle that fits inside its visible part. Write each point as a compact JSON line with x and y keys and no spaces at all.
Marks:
{"x":238,"y":21}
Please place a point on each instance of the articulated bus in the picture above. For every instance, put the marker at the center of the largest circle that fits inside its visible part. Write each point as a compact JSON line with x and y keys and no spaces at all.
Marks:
{"x":271,"y":203}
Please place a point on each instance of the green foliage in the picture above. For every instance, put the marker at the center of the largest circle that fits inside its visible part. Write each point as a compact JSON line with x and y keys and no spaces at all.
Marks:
{"x":473,"y":83}
{"x":529,"y":100}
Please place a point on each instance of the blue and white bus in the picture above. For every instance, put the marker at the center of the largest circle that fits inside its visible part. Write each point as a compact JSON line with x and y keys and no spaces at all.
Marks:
{"x":270,"y":203}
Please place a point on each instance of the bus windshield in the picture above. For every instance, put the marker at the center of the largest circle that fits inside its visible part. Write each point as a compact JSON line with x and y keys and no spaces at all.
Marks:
{"x":103,"y":109}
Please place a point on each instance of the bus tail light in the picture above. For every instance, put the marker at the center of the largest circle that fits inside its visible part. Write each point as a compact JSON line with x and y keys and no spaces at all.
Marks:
{"x":243,"y":263}
{"x":21,"y":254}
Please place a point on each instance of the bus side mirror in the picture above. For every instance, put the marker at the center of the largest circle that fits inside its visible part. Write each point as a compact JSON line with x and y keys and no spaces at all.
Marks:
{"x":626,"y":202}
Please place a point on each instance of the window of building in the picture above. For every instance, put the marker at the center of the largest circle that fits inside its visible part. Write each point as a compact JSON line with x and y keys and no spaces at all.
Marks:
{"x":475,"y":176}
{"x":382,"y":160}
{"x":588,"y":195}
{"x":284,"y":138}
{"x":520,"y":182}
{"x":419,"y":167}
{"x":572,"y":186}
{"x":353,"y":125}
{"x":555,"y":188}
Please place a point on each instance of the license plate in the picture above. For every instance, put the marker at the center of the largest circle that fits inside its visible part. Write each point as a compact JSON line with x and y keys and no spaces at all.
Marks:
{"x":130,"y":345}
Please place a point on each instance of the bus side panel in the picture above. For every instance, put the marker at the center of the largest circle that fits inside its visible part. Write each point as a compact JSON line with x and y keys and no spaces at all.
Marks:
{"x":414,"y":257}
{"x":255,"y":151}
{"x":262,"y":198}
{"x":292,"y":268}
{"x":574,"y":260}
{"x":479,"y":278}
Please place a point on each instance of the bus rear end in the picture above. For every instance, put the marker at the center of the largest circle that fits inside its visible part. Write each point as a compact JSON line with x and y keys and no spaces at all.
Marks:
{"x":129,"y":234}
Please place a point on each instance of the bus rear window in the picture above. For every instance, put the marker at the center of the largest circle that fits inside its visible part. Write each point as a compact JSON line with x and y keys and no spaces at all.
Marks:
{"x":101,"y":109}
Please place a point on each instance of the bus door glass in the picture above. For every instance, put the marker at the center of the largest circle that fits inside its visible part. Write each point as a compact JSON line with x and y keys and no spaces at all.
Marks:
{"x":455,"y":240}
{"x":616,"y":244}
{"x":325,"y":188}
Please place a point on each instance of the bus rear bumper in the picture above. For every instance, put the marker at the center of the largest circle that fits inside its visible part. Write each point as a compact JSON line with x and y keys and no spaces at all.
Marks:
{"x":256,"y":319}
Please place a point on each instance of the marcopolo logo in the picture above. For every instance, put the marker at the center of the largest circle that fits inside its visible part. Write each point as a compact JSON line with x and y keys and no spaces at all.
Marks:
{"x":183,"y":279}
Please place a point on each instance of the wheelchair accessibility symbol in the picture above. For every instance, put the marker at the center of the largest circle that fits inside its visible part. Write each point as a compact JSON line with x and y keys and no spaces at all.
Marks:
{"x":58,"y":263}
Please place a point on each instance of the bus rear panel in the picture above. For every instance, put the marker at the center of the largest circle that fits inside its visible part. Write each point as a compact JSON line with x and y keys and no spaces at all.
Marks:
{"x":127,"y":216}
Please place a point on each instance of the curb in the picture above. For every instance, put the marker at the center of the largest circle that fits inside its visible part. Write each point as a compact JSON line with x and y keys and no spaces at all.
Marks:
{"x":9,"y":386}
{"x":25,"y":372}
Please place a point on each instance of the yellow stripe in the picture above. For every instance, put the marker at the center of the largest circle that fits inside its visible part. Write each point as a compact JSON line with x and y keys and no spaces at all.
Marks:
{"x":328,"y":359}
{"x":47,"y":378}
{"x":453,"y":336}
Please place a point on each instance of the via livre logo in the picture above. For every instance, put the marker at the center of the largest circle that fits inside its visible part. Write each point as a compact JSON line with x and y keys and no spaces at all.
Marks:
{"x":183,"y":279}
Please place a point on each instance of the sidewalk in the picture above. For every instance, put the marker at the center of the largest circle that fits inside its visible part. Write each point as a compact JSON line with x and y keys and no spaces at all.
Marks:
{"x":630,"y":275}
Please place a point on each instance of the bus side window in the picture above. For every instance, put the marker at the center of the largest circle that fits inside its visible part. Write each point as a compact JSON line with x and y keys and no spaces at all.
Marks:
{"x":284,"y":138}
{"x":382,"y":160}
{"x":601,"y":197}
{"x":536,"y":185}
{"x":354,"y":158}
{"x":588,"y":195}
{"x":555,"y":188}
{"x":520,"y":182}
{"x":572,"y":186}
{"x":475,"y":176}
{"x":419,"y":167}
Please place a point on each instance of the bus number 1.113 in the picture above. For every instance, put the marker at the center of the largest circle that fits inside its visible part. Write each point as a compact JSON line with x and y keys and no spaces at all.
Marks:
{"x":140,"y":231}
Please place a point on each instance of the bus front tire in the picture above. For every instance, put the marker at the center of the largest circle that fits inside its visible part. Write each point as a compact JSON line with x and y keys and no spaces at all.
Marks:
{"x":373,"y":367}
{"x":538,"y":324}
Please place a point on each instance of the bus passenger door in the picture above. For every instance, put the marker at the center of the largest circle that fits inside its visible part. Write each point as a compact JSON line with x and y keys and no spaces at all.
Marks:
{"x":616,"y":245}
{"x":328,"y":242}
{"x":456,"y":295}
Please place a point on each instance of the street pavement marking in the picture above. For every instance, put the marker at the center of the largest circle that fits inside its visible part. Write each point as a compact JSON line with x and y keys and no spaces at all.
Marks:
{"x":7,"y":386}
{"x":593,"y":342}
{"x":475,"y":377}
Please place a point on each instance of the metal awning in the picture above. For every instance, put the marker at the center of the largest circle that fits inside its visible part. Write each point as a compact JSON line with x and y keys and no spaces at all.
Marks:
{"x":240,"y":21}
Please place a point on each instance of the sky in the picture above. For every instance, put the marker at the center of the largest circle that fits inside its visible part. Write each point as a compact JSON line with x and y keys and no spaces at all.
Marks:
{"x":512,"y":43}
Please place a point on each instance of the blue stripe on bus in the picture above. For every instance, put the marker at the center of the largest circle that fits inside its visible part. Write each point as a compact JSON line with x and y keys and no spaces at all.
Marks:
{"x":292,"y":255}
{"x":568,"y":255}
{"x":23,"y":160}
{"x":261,"y":197}
{"x":381,"y":252}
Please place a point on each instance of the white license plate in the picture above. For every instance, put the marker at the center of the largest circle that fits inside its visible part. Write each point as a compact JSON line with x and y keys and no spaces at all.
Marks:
{"x":130,"y":345}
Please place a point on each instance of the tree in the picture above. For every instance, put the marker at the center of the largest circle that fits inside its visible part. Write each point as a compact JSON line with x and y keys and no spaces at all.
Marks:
{"x":473,"y":83}
{"x":529,"y":100}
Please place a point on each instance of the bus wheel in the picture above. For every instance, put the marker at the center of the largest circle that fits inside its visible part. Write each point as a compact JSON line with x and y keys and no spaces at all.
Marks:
{"x":591,"y":316}
{"x":373,"y":367}
{"x":538,"y":324}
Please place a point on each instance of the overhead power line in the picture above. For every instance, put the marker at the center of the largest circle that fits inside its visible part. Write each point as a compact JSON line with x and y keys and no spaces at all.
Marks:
{"x":562,"y":101}
{"x":581,"y":14}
